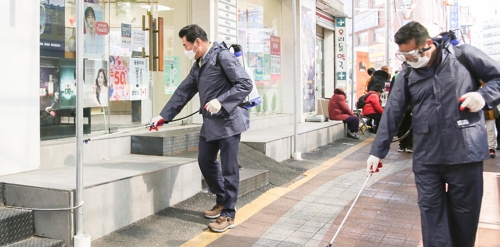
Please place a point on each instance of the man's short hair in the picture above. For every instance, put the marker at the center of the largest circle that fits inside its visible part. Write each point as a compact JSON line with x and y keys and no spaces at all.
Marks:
{"x":193,"y":32}
{"x":412,"y":30}
{"x":370,"y":71}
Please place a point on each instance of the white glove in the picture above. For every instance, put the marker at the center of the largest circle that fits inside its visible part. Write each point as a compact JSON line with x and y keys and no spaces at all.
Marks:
{"x":155,"y":120}
{"x":474,"y":101}
{"x":213,"y":106}
{"x":372,"y":164}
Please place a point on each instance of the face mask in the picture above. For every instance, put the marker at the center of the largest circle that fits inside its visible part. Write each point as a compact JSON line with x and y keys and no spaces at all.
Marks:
{"x":191,"y":54}
{"x":422,"y":61}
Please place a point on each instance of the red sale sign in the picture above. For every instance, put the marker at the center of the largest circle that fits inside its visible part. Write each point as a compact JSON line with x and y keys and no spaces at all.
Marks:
{"x":118,"y":73}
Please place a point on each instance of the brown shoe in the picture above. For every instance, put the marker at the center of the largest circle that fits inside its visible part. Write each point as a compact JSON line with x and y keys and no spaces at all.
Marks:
{"x":221,"y":224}
{"x":214,"y":212}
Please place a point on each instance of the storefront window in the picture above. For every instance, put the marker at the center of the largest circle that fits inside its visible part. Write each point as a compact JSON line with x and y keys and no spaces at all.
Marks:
{"x":259,"y":22}
{"x":118,"y":85}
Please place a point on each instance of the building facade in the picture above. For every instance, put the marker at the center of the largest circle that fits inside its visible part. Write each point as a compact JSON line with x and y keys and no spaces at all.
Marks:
{"x":122,"y":89}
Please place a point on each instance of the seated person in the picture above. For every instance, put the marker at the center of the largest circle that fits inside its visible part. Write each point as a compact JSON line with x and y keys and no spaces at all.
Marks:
{"x":373,"y":106}
{"x":339,"y":110}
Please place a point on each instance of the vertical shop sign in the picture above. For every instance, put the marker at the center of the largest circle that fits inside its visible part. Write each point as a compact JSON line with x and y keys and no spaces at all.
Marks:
{"x":454,"y":16}
{"x":172,"y":78}
{"x":340,"y":54}
{"x":96,"y":83}
{"x":126,"y":39}
{"x":227,"y":28}
{"x":138,"y":78}
{"x":118,"y":74}
{"x":275,"y":58}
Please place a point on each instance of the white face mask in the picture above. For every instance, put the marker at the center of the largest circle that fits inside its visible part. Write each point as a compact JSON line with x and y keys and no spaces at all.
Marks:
{"x":421,"y":62}
{"x":191,"y":54}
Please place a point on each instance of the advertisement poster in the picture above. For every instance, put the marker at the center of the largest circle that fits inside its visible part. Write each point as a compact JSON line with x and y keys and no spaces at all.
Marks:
{"x":138,"y":78}
{"x":118,"y":77}
{"x":138,"y":39}
{"x":341,"y":80}
{"x":95,"y":89}
{"x":49,"y":84}
{"x":255,"y":61}
{"x":93,"y":39}
{"x":362,"y":65}
{"x":52,"y":30}
{"x":172,"y":77}
{"x":308,"y":61}
{"x":126,"y":39}
{"x":67,"y":88}
{"x":275,"y":58}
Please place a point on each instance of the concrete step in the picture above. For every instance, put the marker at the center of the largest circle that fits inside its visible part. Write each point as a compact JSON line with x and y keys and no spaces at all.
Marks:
{"x":15,"y":225}
{"x":117,"y":192}
{"x":38,"y":242}
{"x":278,"y":142}
{"x":166,"y":142}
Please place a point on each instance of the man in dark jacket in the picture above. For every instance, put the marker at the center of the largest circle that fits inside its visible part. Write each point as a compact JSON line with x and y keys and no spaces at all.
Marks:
{"x":222,"y":93}
{"x":449,"y":133}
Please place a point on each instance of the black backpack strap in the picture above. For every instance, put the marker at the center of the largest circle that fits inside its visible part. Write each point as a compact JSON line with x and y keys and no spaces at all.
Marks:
{"x":460,"y":55}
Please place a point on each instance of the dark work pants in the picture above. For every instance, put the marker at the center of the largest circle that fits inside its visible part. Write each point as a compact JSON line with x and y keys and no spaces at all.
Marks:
{"x":405,"y":125}
{"x":352,"y":124}
{"x":449,"y":218}
{"x":224,"y":179}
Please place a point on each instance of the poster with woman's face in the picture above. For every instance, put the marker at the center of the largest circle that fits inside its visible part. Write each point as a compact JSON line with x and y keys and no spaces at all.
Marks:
{"x":93,"y":41}
{"x":96,"y":87}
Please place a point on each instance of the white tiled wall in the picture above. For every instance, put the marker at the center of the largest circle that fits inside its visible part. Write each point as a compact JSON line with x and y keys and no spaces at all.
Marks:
{"x":19,"y":70}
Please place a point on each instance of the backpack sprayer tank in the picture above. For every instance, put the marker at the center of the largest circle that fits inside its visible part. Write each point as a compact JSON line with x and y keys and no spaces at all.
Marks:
{"x":254,"y":98}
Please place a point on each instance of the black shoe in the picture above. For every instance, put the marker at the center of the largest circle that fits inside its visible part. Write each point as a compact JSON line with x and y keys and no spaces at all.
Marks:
{"x":492,"y":153}
{"x":352,"y":135}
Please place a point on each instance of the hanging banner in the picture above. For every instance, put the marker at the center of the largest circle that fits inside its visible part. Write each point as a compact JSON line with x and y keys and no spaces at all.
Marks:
{"x":138,"y":78}
{"x":118,"y":74}
{"x":95,"y":88}
{"x":308,"y":57}
{"x":341,"y":80}
{"x":275,"y":58}
{"x":172,"y":78}
{"x":362,"y":65}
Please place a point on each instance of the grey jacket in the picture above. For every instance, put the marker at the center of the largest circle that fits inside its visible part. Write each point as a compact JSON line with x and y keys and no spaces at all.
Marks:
{"x":442,"y":134}
{"x":210,"y":82}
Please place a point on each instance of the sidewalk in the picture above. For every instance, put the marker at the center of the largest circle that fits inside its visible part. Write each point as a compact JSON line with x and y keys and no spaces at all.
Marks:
{"x":308,"y":211}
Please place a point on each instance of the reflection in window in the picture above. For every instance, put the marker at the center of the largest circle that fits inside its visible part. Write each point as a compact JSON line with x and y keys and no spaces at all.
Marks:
{"x":363,"y":38}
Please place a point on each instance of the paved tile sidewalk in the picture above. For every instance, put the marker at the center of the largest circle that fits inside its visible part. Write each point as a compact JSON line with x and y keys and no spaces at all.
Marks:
{"x":386,"y":213}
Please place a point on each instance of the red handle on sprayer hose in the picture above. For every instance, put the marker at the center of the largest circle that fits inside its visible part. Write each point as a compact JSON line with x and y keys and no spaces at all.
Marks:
{"x":379,"y":166}
{"x":159,"y":124}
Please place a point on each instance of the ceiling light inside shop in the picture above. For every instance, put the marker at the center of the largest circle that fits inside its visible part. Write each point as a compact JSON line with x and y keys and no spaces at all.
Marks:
{"x":160,"y":7}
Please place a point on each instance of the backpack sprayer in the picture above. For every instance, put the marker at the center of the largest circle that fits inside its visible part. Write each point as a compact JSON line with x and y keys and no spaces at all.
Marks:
{"x":253,"y":98}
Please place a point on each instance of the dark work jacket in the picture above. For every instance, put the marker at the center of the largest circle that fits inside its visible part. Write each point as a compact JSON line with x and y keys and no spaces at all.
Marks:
{"x":438,"y":135}
{"x":210,"y":82}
